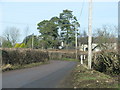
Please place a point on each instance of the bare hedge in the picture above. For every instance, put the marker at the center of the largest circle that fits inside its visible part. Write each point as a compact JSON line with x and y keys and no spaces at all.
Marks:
{"x":23,"y":56}
{"x":58,"y":55}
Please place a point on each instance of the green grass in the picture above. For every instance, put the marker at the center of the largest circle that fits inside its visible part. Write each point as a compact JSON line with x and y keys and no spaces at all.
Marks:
{"x":88,"y":78}
{"x":69,"y":59}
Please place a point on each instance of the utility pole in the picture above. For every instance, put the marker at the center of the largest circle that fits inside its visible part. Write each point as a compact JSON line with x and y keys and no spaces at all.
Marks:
{"x":1,"y":40}
{"x":76,"y":42}
{"x":32,"y":40}
{"x":90,"y":35}
{"x":26,"y":32}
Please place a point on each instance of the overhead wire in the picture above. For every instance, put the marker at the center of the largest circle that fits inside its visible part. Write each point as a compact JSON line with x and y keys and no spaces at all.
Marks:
{"x":82,"y":8}
{"x":15,"y":23}
{"x":83,"y":3}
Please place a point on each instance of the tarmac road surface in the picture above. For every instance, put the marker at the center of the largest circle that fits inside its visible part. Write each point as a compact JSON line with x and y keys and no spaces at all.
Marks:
{"x":43,"y":76}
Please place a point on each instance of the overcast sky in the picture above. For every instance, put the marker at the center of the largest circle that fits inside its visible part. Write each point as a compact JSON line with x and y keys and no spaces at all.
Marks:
{"x":23,"y":14}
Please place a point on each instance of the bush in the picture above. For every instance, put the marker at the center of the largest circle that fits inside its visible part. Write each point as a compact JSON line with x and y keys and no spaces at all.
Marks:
{"x":107,"y":62}
{"x":17,"y":45}
{"x":22,"y":45}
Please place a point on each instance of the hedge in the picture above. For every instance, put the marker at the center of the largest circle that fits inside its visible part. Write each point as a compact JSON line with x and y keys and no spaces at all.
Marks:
{"x":23,"y":56}
{"x":57,"y":55}
{"x":26,"y":56}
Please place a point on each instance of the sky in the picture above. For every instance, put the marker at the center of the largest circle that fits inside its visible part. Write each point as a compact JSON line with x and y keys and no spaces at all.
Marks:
{"x":27,"y":14}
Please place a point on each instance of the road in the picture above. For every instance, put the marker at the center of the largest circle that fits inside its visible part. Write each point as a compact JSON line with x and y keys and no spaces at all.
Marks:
{"x":43,"y":76}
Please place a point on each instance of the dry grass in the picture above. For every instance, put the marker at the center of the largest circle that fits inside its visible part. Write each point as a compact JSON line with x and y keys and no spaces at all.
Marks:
{"x":84,"y":78}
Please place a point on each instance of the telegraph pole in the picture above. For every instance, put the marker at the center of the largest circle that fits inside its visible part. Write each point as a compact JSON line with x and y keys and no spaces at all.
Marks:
{"x":76,"y":42}
{"x":90,"y":35}
{"x":32,"y":40}
{"x":0,"y":41}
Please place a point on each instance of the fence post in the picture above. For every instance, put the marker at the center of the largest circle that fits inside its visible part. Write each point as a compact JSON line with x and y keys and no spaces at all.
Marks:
{"x":81,"y":58}
{"x":84,"y":57}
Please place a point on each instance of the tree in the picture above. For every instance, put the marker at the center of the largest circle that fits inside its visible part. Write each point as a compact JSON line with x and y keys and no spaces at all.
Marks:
{"x":105,"y":37}
{"x":6,"y":44}
{"x":49,"y":32}
{"x":83,"y":39}
{"x":12,"y":35}
{"x":68,"y":24}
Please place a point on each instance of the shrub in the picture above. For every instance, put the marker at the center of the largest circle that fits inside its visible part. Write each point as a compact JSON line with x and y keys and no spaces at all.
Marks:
{"x":22,"y":45}
{"x":17,"y":45}
{"x":107,"y":62}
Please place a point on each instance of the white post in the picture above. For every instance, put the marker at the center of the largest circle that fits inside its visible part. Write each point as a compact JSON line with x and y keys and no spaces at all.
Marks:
{"x":90,"y":35}
{"x":62,"y":43}
{"x":84,"y":57}
{"x":81,"y":58}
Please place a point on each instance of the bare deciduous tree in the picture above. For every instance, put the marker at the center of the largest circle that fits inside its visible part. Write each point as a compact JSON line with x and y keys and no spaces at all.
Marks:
{"x":12,"y":35}
{"x":106,"y":35}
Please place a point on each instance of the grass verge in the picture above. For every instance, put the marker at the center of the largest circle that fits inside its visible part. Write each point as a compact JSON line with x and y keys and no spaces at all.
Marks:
{"x":68,"y":59}
{"x":84,"y":78}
